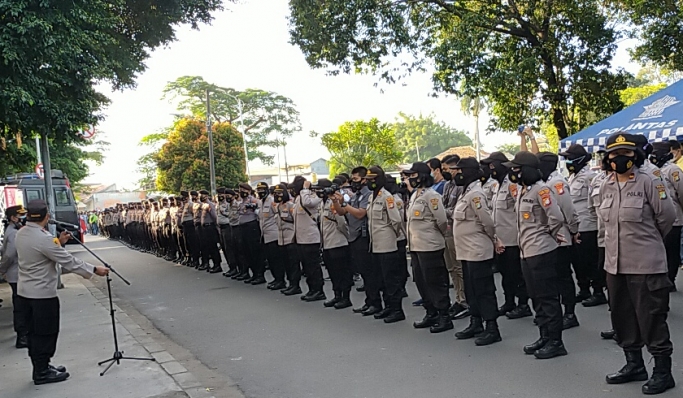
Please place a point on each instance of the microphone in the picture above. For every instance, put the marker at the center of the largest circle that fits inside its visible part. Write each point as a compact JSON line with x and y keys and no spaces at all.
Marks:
{"x":63,"y":224}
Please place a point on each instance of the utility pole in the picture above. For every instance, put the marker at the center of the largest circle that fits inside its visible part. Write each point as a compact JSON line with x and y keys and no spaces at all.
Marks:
{"x":244,"y":139}
{"x":284,"y":149}
{"x":49,"y":192}
{"x":212,"y":166}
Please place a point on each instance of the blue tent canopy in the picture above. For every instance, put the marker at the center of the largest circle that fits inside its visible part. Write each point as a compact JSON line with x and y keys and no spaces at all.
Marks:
{"x":659,"y":117}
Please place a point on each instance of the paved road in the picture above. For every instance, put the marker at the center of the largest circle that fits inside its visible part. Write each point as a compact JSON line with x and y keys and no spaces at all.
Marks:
{"x":276,"y":346}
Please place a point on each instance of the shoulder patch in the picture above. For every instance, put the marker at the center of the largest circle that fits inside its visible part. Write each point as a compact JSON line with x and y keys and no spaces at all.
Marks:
{"x":657,"y":172}
{"x":435,"y":203}
{"x":545,"y":197}
{"x":513,"y":190}
{"x":390,"y":202}
{"x":676,"y":176}
{"x":476,"y":202}
{"x":662,"y":191}
{"x":560,"y":188}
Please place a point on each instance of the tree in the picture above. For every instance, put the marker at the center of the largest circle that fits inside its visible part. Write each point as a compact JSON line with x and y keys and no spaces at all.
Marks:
{"x":53,"y":52}
{"x":631,"y":95}
{"x":183,"y":161}
{"x":362,"y":143}
{"x":532,"y":60}
{"x":263,"y":112}
{"x":510,"y":149}
{"x":473,"y":106}
{"x":422,"y":138}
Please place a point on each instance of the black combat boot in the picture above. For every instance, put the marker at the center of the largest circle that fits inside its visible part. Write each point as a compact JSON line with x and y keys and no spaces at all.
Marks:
{"x":345,"y":301}
{"x":521,"y":311}
{"x":583,"y":294}
{"x":661,"y":379}
{"x":443,"y":323}
{"x":396,"y":315}
{"x":595,"y":300}
{"x":292,"y":290}
{"x":22,"y":341}
{"x":507,"y":307}
{"x":371,"y":310}
{"x":316,"y":296}
{"x":608,"y":334}
{"x":361,"y":309}
{"x":491,"y":334}
{"x":431,"y":318}
{"x":538,"y":344}
{"x":216,"y":269}
{"x":258,"y":280}
{"x":634,"y":370}
{"x":384,"y":313}
{"x":553,"y":348}
{"x":472,"y":330}
{"x":334,"y":300}
{"x":569,"y":321}
{"x":44,"y":374}
{"x":203,"y":267}
{"x":278,"y":285}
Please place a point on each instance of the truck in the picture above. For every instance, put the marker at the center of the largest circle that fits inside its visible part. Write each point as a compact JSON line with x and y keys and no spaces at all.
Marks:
{"x":19,"y":189}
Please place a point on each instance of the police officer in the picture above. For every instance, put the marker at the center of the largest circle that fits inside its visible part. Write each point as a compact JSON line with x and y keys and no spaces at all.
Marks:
{"x":183,"y":220}
{"x":250,"y":236}
{"x":335,"y":247}
{"x":673,"y":176}
{"x":384,"y":225}
{"x":269,"y":234}
{"x":488,"y":185}
{"x":637,"y":217}
{"x":284,"y":212}
{"x":189,"y":229}
{"x":307,"y":237}
{"x":427,"y":224}
{"x":585,"y":251}
{"x":223,"y":219}
{"x":232,"y":196}
{"x":210,"y":236}
{"x":505,"y":221}
{"x":561,"y":191}
{"x":401,"y":241}
{"x":9,"y":268}
{"x":540,"y":222}
{"x":475,"y":239}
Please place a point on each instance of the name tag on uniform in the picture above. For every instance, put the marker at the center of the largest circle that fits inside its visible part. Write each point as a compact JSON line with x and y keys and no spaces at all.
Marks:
{"x":266,"y":209}
{"x":435,"y":203}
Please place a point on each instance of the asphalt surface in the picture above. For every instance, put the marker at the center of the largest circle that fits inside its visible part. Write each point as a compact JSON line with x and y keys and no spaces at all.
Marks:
{"x":277,"y":346}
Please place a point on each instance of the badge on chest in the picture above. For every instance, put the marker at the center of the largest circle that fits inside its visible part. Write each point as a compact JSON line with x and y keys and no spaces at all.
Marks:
{"x":435,"y":203}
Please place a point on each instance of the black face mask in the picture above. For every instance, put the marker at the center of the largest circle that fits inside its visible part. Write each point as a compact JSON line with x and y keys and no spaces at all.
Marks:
{"x":194,"y":198}
{"x":372,"y":185}
{"x":547,"y":169}
{"x":320,"y":194}
{"x":204,"y":198}
{"x":575,"y":165}
{"x":356,"y":186}
{"x":499,"y":171}
{"x":659,"y":159}
{"x":413,"y":182}
{"x":529,"y":175}
{"x":221,"y":198}
{"x":467,"y":176}
{"x":622,"y":163}
{"x":460,"y":180}
{"x":447,"y":176}
{"x":515,"y":176}
{"x":262,"y":194}
{"x":244,"y":194}
{"x":278,"y":198}
{"x":229,"y":200}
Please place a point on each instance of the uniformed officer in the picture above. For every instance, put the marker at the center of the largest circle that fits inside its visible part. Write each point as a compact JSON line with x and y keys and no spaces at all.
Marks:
{"x":637,"y":217}
{"x":427,"y":224}
{"x":184,"y":220}
{"x":560,"y":188}
{"x":269,"y":235}
{"x":9,"y":268}
{"x":307,"y":237}
{"x":505,"y":221}
{"x":250,"y":237}
{"x":451,"y":194}
{"x":402,"y":241}
{"x":223,"y":218}
{"x":673,"y":176}
{"x":284,"y":211}
{"x":384,"y":225}
{"x":165,"y":226}
{"x":210,"y":236}
{"x":475,"y":240}
{"x":190,"y":230}
{"x":585,"y":249}
{"x":540,"y":222}
{"x":232,"y":197}
{"x":488,"y":185}
{"x":173,"y":237}
{"x":335,"y":247}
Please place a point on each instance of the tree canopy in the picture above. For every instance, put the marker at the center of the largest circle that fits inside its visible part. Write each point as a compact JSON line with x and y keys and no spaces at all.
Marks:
{"x":426,"y":136}
{"x":264,"y":113}
{"x":362,"y":143}
{"x":536,"y":62}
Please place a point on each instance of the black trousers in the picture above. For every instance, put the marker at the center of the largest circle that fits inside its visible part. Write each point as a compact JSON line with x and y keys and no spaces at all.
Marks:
{"x":182,"y":244}
{"x":585,"y":261}
{"x":292,"y":264}
{"x":18,"y":312}
{"x":253,"y":251}
{"x":393,"y":277}
{"x":42,"y":324}
{"x":276,"y":260}
{"x":480,"y":289}
{"x":192,"y":240}
{"x":565,"y":282}
{"x":227,"y":245}
{"x":403,"y":260}
{"x":371,"y":273}
{"x":640,"y":306}
{"x":310,"y":259}
{"x":339,"y":268}
{"x":540,"y":274}
{"x":672,"y":242}
{"x":240,"y":250}
{"x":510,"y":267}
{"x":431,"y":278}
{"x":210,"y":242}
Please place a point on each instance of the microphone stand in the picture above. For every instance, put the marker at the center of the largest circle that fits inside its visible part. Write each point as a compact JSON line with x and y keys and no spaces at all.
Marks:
{"x":118,"y":355}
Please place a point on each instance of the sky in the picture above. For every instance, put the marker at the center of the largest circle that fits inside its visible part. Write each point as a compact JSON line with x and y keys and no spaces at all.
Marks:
{"x":247,"y":46}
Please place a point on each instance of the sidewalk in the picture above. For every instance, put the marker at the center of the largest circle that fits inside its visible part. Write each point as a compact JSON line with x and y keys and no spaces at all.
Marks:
{"x":85,"y":339}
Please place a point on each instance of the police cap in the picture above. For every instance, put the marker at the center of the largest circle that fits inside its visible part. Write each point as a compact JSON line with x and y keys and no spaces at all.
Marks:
{"x":523,"y":159}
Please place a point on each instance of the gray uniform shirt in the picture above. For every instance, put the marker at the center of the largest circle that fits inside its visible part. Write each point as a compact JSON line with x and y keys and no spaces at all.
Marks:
{"x":596,"y":183}
{"x":9,"y":263}
{"x":402,"y":210}
{"x":427,"y":223}
{"x":234,"y":212}
{"x":306,"y":217}
{"x":209,"y":213}
{"x":223,"y":213}
{"x":473,"y":229}
{"x":539,"y":220}
{"x":39,"y":253}
{"x":561,"y":192}
{"x":451,"y":194}
{"x":637,"y":216}
{"x":490,"y":187}
{"x":504,"y":214}
{"x":187,"y":211}
{"x":384,"y":222}
{"x":579,"y":185}
{"x":334,"y":229}
{"x":356,"y":225}
{"x":673,"y":176}
{"x":197,"y":213}
{"x":284,"y":216}
{"x":267,"y":220}
{"x":247,"y":215}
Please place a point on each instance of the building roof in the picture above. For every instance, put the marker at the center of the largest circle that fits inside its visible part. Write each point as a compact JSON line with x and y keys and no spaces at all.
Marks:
{"x":463,"y":152}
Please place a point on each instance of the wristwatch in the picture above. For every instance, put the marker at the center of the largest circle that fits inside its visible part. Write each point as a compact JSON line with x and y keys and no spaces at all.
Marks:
{"x":343,"y":204}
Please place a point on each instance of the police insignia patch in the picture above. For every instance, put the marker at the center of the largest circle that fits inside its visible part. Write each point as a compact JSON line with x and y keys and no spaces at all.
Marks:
{"x":526,"y":215}
{"x":476,"y":202}
{"x":417,"y":213}
{"x":560,"y":188}
{"x":513,"y":190}
{"x":676,"y":176}
{"x":657,"y":173}
{"x":390,"y":202}
{"x":545,"y":197}
{"x":57,"y":242}
{"x":435,"y":203}
{"x":662,"y":191}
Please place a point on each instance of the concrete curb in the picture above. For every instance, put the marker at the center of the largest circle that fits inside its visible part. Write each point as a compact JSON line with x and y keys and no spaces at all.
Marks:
{"x":182,"y":377}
